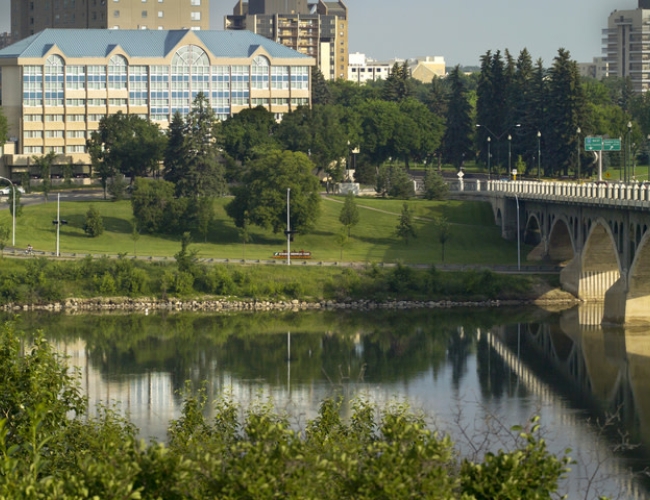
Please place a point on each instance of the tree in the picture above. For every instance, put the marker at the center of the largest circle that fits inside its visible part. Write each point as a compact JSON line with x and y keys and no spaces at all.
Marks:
{"x":175,"y":149}
{"x":149,"y":201}
{"x":457,"y":143}
{"x":127,"y":144}
{"x":393,"y":181}
{"x":4,"y":128}
{"x":435,"y":187}
{"x":44,"y":165}
{"x":4,"y":238}
{"x":320,"y":92}
{"x":566,"y":111}
{"x":94,"y":223}
{"x":135,"y":233}
{"x":262,"y":197}
{"x":349,"y":215}
{"x":198,"y":172}
{"x":444,"y":232}
{"x":10,"y":202}
{"x":406,"y":227}
{"x":397,"y":86}
{"x":247,"y":132}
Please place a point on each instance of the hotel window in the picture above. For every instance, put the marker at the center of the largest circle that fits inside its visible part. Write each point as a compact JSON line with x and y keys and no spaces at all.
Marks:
{"x":195,"y":16}
{"x":280,"y":77}
{"x":95,"y":118}
{"x":161,"y":14}
{"x":96,"y":77}
{"x":239,"y":85}
{"x":117,"y":102}
{"x":300,"y":78}
{"x":54,"y":81}
{"x":54,"y":149}
{"x":33,"y":118}
{"x":54,"y":134}
{"x":116,"y":13}
{"x":190,"y":75}
{"x":30,"y":150}
{"x":75,"y":102}
{"x":97,"y":102}
{"x":75,"y":77}
{"x":75,"y":149}
{"x":33,"y":134}
{"x":138,"y":85}
{"x":53,"y":118}
{"x":117,"y":73}
{"x":195,"y":2}
{"x":75,"y":118}
{"x":76,"y":134}
{"x":145,"y":13}
{"x":32,"y":85}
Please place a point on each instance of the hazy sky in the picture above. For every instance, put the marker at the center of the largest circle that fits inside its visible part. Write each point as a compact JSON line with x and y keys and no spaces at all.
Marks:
{"x":462,"y":30}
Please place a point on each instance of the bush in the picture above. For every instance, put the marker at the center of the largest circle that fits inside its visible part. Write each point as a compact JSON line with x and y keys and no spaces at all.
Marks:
{"x":94,"y":223}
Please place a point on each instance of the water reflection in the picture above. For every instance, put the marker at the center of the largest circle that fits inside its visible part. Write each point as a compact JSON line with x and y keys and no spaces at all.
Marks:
{"x":460,"y":366}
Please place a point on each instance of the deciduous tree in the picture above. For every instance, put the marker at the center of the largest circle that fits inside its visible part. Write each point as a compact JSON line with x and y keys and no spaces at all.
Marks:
{"x":349,"y":215}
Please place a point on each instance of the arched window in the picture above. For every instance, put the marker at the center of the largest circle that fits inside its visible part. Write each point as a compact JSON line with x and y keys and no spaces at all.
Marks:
{"x":260,"y":73}
{"x":54,"y":81}
{"x":117,"y":73}
{"x":190,"y":75}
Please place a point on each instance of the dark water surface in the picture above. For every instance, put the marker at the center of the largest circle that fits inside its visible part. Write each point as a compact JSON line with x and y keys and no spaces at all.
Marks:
{"x":473,"y":372}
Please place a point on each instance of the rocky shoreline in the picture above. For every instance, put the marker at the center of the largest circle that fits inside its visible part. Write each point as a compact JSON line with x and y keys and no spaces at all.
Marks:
{"x":145,"y":305}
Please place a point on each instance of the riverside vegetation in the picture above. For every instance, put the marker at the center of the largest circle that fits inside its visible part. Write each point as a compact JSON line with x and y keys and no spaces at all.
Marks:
{"x":51,"y":446}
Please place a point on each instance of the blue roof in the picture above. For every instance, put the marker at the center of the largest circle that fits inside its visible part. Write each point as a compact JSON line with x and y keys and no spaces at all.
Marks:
{"x":142,"y":43}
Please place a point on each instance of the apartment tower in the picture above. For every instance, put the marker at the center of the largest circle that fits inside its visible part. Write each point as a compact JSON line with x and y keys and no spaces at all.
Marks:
{"x":319,"y":30}
{"x":31,"y":16}
{"x":626,"y":43}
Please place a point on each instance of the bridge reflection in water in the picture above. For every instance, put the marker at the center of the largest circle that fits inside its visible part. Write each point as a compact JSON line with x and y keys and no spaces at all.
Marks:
{"x":600,"y":371}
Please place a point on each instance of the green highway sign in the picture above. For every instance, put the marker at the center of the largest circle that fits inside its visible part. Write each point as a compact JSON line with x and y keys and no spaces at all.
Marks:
{"x":611,"y":144}
{"x":593,"y":143}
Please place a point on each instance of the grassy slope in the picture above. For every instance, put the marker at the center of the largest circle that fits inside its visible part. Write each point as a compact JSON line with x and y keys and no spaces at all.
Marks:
{"x":474,"y":239}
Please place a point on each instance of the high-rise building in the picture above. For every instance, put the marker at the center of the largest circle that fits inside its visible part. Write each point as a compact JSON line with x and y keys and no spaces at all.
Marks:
{"x":626,"y":43}
{"x":317,"y":29}
{"x":31,"y":16}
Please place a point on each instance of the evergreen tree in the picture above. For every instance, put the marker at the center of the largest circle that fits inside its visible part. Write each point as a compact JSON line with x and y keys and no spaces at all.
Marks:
{"x":457,"y":142}
{"x":175,"y":150}
{"x":566,"y":111}
{"x":435,"y":187}
{"x":201,"y":173}
{"x":320,"y":92}
{"x":398,"y":86}
{"x":522,"y":102}
{"x":406,"y":226}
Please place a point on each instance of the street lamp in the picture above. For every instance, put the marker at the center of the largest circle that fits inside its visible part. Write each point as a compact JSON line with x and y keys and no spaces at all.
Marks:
{"x":627,"y":156}
{"x":578,"y":158}
{"x":489,"y":169}
{"x":509,"y":154}
{"x":13,"y":218}
{"x":498,"y":137}
{"x":539,"y":156}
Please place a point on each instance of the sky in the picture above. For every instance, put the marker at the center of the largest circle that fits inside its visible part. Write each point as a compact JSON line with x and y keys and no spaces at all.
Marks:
{"x":462,"y":31}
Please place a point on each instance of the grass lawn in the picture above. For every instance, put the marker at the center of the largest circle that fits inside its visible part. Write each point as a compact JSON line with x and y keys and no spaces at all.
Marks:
{"x":475,"y":239}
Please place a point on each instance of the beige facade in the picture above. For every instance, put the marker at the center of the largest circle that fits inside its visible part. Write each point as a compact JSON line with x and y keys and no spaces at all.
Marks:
{"x":425,"y":69}
{"x":626,"y":43}
{"x":319,"y":30}
{"x":57,"y":90}
{"x":31,"y":16}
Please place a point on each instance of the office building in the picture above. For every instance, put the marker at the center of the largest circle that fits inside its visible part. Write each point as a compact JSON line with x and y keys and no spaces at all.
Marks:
{"x":597,"y":69}
{"x":626,"y":43}
{"x":31,"y":16}
{"x":58,"y":84}
{"x":319,"y":30}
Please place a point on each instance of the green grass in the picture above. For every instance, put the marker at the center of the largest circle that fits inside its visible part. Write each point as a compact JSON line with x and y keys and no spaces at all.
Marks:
{"x":475,"y":239}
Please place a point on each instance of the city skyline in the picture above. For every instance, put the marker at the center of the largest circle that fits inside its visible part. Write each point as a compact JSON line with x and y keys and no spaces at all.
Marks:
{"x":462,"y":32}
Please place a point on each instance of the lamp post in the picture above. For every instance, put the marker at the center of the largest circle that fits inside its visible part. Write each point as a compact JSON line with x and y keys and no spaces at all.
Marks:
{"x":627,"y":151}
{"x":539,"y":156}
{"x":498,"y":138}
{"x":578,"y":151}
{"x":13,"y":218}
{"x":648,"y":179}
{"x":509,"y":154}
{"x":518,"y":236}
{"x":488,"y":158}
{"x":288,"y":227}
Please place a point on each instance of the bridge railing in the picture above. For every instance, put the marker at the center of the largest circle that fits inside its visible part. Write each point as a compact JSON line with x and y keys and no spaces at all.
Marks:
{"x":602,"y":192}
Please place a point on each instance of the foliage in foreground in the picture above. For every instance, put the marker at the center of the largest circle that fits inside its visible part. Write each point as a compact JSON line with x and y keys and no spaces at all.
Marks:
{"x":238,"y":453}
{"x":40,"y":280}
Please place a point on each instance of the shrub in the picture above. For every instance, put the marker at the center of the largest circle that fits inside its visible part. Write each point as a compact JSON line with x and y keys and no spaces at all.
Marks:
{"x":94,"y":223}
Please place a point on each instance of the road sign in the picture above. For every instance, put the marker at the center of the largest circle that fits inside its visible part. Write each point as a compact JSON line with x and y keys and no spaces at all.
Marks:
{"x":611,"y":144}
{"x":593,"y":143}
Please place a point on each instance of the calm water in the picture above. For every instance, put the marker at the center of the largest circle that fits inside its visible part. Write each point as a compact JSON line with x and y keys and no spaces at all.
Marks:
{"x":470,"y":371}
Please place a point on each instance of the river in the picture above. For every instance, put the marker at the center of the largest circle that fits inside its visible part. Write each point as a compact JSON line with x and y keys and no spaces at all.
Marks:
{"x":473,"y":372}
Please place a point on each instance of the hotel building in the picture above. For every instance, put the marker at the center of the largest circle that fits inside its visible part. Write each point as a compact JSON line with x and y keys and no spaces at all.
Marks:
{"x":58,"y":84}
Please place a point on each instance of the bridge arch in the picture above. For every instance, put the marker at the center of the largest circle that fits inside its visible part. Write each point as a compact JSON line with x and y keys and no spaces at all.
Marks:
{"x":638,"y":292}
{"x":533,"y":230}
{"x":561,"y":246}
{"x":601,"y":264}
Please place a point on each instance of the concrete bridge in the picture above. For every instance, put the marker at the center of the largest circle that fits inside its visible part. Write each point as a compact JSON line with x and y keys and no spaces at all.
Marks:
{"x":598,"y":231}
